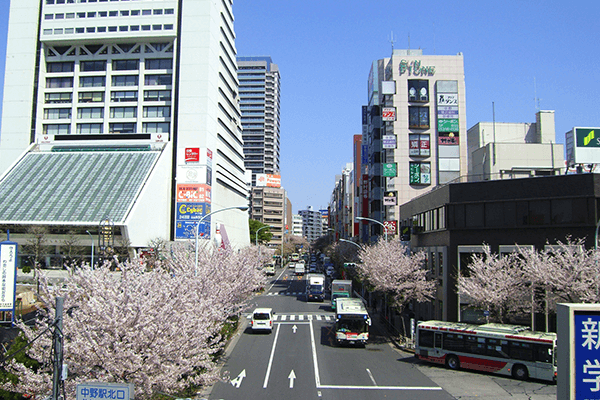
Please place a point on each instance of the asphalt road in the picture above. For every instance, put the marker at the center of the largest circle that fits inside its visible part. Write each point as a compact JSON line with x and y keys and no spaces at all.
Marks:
{"x":299,"y":361}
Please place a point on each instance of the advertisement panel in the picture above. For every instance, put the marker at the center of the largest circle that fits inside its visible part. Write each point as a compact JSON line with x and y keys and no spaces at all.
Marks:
{"x":448,"y":125}
{"x":447,"y":99}
{"x":388,"y":114}
{"x":8,"y":271}
{"x":391,"y":227}
{"x":193,"y":193}
{"x":447,"y":112}
{"x":187,"y":229}
{"x":389,"y":141}
{"x":390,"y":170}
{"x":192,"y":155}
{"x":192,"y":211}
{"x":364,"y":154}
{"x":420,"y":173}
{"x":268,"y":180}
{"x":448,"y":138}
{"x":389,"y":199}
{"x":365,"y":195}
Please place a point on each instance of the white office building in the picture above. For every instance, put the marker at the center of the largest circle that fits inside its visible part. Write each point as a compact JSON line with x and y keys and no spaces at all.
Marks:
{"x":126,"y":113}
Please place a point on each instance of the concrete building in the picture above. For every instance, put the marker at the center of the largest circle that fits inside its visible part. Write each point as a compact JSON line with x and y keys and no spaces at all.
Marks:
{"x":123,"y":111}
{"x":500,"y":150}
{"x":259,"y":81}
{"x":414,"y":130}
{"x":269,"y":207}
{"x":297,"y":225}
{"x":342,"y":202}
{"x":312,"y":224}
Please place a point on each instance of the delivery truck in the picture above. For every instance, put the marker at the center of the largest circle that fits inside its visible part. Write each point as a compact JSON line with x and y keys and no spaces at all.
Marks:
{"x":340,"y":288}
{"x":315,"y":287}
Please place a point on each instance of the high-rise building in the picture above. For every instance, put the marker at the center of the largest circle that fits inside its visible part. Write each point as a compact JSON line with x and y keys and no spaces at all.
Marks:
{"x":269,"y":206}
{"x":414,"y":130}
{"x":124,"y":112}
{"x":259,"y":82}
{"x":312,"y":224}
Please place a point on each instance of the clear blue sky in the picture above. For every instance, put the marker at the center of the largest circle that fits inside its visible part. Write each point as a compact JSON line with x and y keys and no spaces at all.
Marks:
{"x":324,"y":49}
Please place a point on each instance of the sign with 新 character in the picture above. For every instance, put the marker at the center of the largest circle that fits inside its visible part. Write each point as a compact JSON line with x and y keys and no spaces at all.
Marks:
{"x":103,"y":390}
{"x":578,"y":374}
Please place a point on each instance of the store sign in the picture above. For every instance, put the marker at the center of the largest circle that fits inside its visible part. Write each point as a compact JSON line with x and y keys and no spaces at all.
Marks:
{"x":448,"y":139}
{"x":420,"y":173}
{"x":447,"y":99}
{"x":447,"y":112}
{"x":192,"y":211}
{"x":448,"y":125}
{"x":390,"y":170}
{"x":391,"y":227}
{"x":193,"y":193}
{"x":414,"y":68}
{"x":389,"y":141}
{"x":588,"y":137}
{"x":192,"y":155}
{"x":390,"y":198}
{"x":268,"y":180}
{"x":388,"y":113}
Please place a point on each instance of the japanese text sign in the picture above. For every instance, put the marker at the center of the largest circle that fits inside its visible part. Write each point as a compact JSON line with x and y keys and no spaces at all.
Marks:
{"x":587,"y":355}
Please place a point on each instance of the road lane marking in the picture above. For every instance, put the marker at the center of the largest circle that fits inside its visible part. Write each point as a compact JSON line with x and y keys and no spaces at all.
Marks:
{"x":380,"y":387}
{"x":371,"y":376}
{"x":314,"y":354}
{"x":291,"y":377}
{"x":266,"y":382}
{"x":237,"y":382}
{"x":292,"y":317}
{"x":283,"y":317}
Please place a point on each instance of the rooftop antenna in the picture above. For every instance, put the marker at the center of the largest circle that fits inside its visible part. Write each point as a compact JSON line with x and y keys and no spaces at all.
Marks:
{"x":536,"y":100}
{"x":408,"y":42}
{"x":392,"y":41}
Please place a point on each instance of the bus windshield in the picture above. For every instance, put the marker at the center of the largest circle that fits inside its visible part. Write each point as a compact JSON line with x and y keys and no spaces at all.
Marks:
{"x":355,"y":324}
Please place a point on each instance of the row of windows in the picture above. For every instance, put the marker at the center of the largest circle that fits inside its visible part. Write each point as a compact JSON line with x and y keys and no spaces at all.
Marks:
{"x":115,"y":112}
{"x":89,"y":129}
{"x":500,"y":348}
{"x":104,"y":29}
{"x":117,"y":96}
{"x":122,"y":13}
{"x":431,"y":220}
{"x":117,"y":65}
{"x":100,"y":81}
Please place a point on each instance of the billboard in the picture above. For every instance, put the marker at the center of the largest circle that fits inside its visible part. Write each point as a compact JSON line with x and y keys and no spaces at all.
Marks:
{"x":268,"y":180}
{"x":389,"y":199}
{"x":389,"y":141}
{"x":583,"y":146}
{"x":193,"y":193}
{"x":391,"y":227}
{"x":390,"y":170}
{"x":388,"y":113}
{"x":420,"y":173}
{"x":448,"y":124}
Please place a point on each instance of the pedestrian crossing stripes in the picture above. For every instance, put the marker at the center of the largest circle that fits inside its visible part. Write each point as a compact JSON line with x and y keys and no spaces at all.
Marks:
{"x":301,"y":317}
{"x":285,"y":294}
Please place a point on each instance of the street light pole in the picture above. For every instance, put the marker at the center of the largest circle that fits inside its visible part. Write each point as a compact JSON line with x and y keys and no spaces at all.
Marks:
{"x":91,"y":237}
{"x":241,"y":208}
{"x":374,"y":220}
{"x":350,"y":241}
{"x":258,"y":230}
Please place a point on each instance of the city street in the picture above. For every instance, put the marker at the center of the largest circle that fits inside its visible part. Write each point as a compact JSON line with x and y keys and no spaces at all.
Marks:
{"x":298,"y":360}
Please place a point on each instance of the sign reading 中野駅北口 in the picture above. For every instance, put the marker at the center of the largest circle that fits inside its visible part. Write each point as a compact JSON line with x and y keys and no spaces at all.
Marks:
{"x":104,"y":390}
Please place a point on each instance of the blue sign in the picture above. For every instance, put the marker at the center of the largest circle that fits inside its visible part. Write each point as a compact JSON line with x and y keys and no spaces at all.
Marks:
{"x":99,"y":390}
{"x":192,"y":211}
{"x":187,"y":229}
{"x":587,"y":355}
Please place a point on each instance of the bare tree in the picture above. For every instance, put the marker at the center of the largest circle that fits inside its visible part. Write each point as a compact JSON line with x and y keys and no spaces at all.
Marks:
{"x":36,"y":246}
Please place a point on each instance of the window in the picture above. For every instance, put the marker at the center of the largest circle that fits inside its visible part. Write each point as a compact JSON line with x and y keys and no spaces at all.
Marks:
{"x":79,"y":30}
{"x":60,"y":66}
{"x":135,"y":13}
{"x":125,"y":80}
{"x":418,"y":117}
{"x":157,"y":95}
{"x":152,"y":80}
{"x":113,"y":13}
{"x":62,"y":16}
{"x":123,"y":112}
{"x":418,"y":90}
{"x":169,"y":11}
{"x":90,"y":112}
{"x":102,"y":13}
{"x":156,"y":27}
{"x":145,"y":27}
{"x":57,"y":113}
{"x":158,"y":11}
{"x":112,"y":28}
{"x":155,"y":127}
{"x":49,"y":16}
{"x":91,"y":14}
{"x":63,"y":82}
{"x":57,"y":129}
{"x":122,"y":128}
{"x":159,"y":63}
{"x":419,"y":145}
{"x":146,"y":12}
{"x":123,"y":28}
{"x":92,"y":81}
{"x":425,"y":338}
{"x":125,"y":65}
{"x":101,"y":29}
{"x":90,"y":29}
{"x":124,"y":13}
{"x":56,"y":98}
{"x":89,"y":129}
{"x":420,"y":173}
{"x":157,"y":112}
{"x":521,"y":351}
{"x":87,"y":66}
{"x":123,"y":96}
{"x":91,"y":97}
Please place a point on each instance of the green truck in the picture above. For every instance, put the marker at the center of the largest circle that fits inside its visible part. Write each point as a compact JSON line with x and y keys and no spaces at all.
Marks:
{"x":340,"y":288}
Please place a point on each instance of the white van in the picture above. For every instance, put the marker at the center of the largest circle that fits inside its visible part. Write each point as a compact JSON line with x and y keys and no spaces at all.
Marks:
{"x":262,"y":319}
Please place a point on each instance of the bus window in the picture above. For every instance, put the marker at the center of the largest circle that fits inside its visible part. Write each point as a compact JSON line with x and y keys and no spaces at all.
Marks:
{"x":425,"y":338}
{"x":474,"y":345}
{"x":543,"y":354}
{"x":437,"y":340}
{"x":497,"y":348}
{"x":521,"y":351}
{"x":454,"y":342}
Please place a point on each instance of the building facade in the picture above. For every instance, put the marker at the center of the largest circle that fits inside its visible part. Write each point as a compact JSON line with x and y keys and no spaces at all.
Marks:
{"x":414,"y":130}
{"x":137,"y":100}
{"x":312,"y":224}
{"x":501,"y":150}
{"x":259,"y":81}
{"x":269,"y":206}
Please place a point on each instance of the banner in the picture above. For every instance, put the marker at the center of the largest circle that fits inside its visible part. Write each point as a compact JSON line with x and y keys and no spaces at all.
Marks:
{"x":8,"y":272}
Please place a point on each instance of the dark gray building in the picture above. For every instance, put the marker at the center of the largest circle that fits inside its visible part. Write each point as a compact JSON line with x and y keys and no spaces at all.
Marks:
{"x":454,"y":221}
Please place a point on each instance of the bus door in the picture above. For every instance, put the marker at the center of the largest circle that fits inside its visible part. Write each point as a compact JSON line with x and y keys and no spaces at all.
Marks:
{"x":544,"y":362}
{"x":437,"y":343}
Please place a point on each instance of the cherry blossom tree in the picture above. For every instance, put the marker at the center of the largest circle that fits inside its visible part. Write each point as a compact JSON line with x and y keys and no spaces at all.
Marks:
{"x":158,"y":328}
{"x":390,"y":268}
{"x":494,"y":283}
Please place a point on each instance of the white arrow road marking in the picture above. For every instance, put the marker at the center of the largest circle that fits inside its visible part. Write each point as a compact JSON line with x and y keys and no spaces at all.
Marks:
{"x":238,"y":381}
{"x":291,"y":377}
{"x":294,"y":328}
{"x":371,"y":376}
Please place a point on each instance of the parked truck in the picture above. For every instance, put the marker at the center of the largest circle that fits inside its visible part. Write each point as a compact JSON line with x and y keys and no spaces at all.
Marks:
{"x":340,"y":288}
{"x":315,"y":287}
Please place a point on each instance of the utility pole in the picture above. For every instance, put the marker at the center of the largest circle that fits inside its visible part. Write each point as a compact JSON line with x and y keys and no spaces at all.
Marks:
{"x":58,"y":348}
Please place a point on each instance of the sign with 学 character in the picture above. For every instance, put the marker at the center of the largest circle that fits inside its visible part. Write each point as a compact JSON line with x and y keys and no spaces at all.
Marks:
{"x":578,"y":374}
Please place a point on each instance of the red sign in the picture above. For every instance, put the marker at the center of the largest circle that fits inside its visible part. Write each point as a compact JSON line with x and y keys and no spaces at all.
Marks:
{"x":388,"y":114}
{"x":365,"y":195}
{"x":391,"y":227}
{"x":192,"y":154}
{"x":193,"y":193}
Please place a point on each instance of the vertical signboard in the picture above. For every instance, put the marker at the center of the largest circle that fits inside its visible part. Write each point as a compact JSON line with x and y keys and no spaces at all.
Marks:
{"x":8,"y":272}
{"x":390,"y":170}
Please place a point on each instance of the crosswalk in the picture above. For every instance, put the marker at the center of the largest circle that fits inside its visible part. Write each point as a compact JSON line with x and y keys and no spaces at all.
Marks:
{"x":284,"y":293}
{"x":299,"y":317}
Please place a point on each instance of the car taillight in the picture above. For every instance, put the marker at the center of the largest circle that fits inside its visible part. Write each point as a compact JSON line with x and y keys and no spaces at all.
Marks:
{"x":251,"y":323}
{"x":271,"y":323}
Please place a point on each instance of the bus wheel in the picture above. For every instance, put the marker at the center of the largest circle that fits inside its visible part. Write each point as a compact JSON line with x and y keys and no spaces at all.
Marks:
{"x":520,"y":372}
{"x":452,"y":362}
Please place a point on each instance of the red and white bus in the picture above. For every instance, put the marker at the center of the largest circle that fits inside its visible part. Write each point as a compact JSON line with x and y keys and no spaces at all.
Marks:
{"x":502,"y":349}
